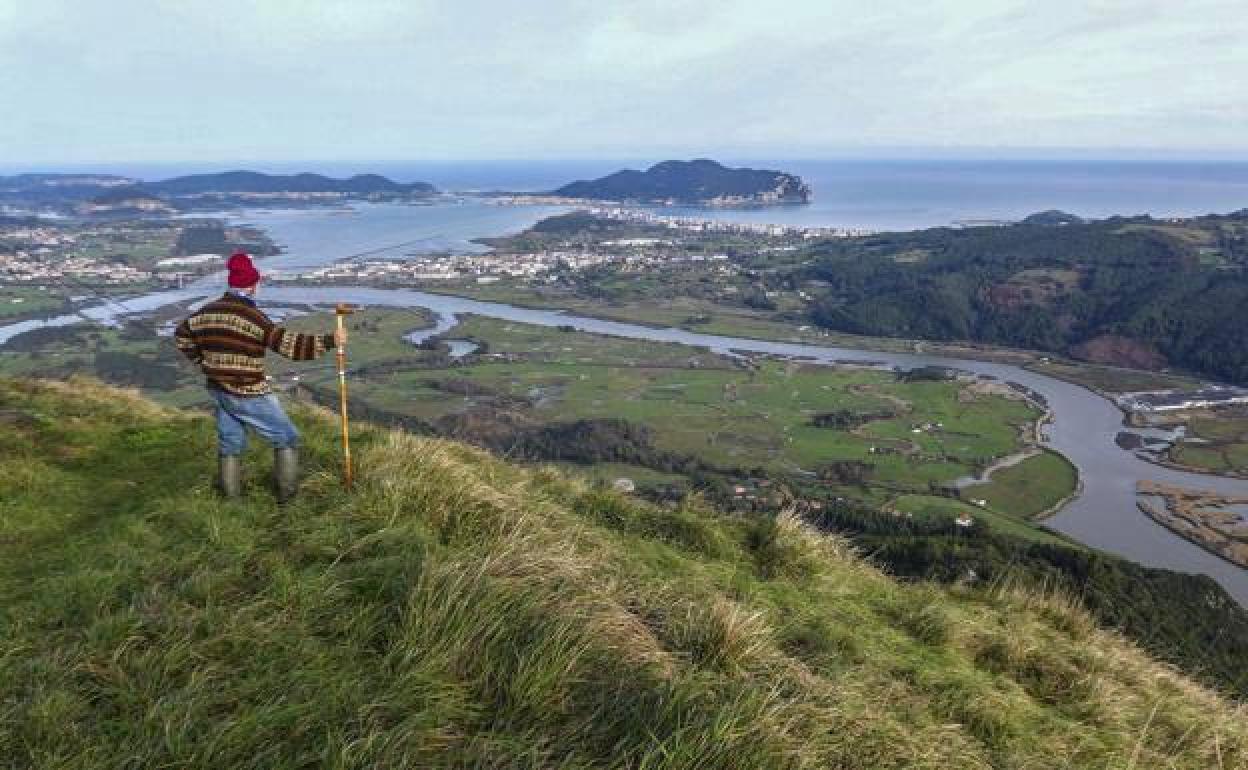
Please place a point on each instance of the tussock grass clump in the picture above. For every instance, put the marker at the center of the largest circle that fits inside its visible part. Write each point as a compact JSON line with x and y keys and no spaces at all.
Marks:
{"x":819,"y":642}
{"x":783,"y":546}
{"x":459,"y":611}
{"x":721,"y":635}
{"x":922,"y":614}
{"x":690,"y":528}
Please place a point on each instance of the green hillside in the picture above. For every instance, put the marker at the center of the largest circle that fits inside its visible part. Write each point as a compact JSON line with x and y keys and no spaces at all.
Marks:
{"x":1135,"y":292}
{"x":460,"y":611}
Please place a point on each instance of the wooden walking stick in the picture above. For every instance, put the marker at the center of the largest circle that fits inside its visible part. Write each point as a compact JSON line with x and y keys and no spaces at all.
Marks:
{"x":341,"y":310}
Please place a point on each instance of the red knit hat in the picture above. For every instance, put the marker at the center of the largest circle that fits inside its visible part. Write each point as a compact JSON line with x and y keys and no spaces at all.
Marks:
{"x":243,"y":274}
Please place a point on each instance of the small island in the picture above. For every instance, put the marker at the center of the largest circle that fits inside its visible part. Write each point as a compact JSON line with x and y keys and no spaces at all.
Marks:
{"x":699,"y":182}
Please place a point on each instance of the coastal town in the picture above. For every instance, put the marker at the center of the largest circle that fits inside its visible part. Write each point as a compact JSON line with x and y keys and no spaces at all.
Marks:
{"x":47,"y":254}
{"x":648,"y":216}
{"x":705,"y":225}
{"x":140,"y":252}
{"x":144,"y":251}
{"x":119,"y":253}
{"x":490,"y":267}
{"x":648,"y":242}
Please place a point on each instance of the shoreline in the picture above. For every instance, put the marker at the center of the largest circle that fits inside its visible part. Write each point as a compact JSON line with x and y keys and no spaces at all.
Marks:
{"x":1056,"y":508}
{"x":1171,"y":465}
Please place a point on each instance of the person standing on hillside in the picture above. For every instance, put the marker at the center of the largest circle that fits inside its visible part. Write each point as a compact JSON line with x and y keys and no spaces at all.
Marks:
{"x":228,"y":338}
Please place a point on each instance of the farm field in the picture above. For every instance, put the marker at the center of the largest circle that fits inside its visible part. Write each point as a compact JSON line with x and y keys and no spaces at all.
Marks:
{"x":1108,"y":379}
{"x":927,"y":507}
{"x":21,"y":301}
{"x":1216,"y":442}
{"x":745,"y":417}
{"x":725,"y":410}
{"x":731,"y":413}
{"x":1029,"y":488}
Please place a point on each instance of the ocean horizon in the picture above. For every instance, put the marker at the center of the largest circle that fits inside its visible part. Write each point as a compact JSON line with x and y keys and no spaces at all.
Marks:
{"x":876,"y":194}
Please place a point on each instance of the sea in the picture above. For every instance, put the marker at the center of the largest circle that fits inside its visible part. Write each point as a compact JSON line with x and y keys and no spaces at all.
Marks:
{"x":874,"y":194}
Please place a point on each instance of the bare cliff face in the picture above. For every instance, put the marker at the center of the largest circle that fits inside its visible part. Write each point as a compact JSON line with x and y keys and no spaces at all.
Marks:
{"x":787,"y":189}
{"x":1116,"y":350}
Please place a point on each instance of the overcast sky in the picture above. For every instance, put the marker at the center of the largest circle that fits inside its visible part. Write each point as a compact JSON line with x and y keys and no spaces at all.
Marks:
{"x":203,"y":80}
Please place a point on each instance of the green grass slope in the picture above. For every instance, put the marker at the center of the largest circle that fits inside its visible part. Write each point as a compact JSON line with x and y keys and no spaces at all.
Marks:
{"x":458,"y":611}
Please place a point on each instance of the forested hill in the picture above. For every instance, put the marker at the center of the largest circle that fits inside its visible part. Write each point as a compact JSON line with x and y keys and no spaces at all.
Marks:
{"x":693,"y":182}
{"x":456,"y":610}
{"x":1129,"y":291}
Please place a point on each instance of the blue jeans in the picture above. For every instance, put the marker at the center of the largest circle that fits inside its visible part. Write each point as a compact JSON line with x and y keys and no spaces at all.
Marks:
{"x":262,"y":413}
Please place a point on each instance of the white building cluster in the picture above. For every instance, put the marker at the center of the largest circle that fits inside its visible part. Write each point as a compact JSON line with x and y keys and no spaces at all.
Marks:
{"x":1177,"y":400}
{"x":26,"y":269}
{"x":39,"y":239}
{"x":194,"y":260}
{"x":699,"y":225}
{"x":493,"y":265}
{"x":44,"y":255}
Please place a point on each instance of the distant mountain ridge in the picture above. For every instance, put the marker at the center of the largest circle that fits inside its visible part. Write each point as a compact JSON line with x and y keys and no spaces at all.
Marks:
{"x":60,"y":191}
{"x":30,"y":181}
{"x":257,"y":182}
{"x":700,"y":181}
{"x":123,"y":194}
{"x":93,"y":194}
{"x":125,"y":199}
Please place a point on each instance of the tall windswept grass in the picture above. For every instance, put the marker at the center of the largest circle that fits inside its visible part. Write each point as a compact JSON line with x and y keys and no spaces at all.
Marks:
{"x":459,"y":611}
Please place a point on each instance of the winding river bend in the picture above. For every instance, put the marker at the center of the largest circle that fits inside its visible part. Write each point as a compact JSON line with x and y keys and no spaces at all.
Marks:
{"x":1103,"y":515}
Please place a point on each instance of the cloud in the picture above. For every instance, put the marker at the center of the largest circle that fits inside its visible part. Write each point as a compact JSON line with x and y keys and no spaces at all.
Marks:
{"x":184,"y":79}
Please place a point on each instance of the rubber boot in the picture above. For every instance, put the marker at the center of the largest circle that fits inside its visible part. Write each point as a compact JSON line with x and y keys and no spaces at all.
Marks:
{"x":285,"y":474}
{"x":230,"y":475}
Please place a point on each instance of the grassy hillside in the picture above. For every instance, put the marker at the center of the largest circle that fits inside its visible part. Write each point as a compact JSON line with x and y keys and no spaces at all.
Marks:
{"x":458,"y":611}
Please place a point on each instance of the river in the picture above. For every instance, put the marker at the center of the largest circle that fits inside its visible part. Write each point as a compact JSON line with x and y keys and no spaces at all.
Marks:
{"x":1084,"y":426}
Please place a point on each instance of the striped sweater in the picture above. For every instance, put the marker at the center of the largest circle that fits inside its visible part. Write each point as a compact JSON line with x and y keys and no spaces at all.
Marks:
{"x":228,"y":338}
